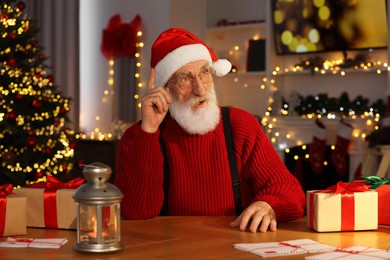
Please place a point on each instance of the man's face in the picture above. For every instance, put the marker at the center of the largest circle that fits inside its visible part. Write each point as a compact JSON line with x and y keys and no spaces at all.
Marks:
{"x":192,"y":80}
{"x":195,"y":107}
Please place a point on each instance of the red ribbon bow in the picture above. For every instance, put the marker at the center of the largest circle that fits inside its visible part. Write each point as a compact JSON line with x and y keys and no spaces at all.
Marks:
{"x":5,"y":190}
{"x":51,"y":186}
{"x":54,"y":183}
{"x":347,"y":188}
{"x":119,"y":39}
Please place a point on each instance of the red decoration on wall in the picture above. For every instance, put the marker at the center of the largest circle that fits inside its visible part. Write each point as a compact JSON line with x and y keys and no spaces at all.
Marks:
{"x":119,"y":39}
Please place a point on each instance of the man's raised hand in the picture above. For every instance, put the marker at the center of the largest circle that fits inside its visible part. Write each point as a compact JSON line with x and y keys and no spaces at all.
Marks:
{"x":154,"y":105}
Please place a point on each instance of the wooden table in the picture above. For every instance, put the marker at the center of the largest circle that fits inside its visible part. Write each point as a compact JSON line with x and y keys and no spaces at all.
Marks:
{"x":193,"y":238}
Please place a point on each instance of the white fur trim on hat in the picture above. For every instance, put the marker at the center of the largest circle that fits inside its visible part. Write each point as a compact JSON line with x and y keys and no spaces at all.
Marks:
{"x":177,"y":58}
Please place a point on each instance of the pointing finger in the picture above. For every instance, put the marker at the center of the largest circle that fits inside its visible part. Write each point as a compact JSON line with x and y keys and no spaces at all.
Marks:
{"x":151,"y":79}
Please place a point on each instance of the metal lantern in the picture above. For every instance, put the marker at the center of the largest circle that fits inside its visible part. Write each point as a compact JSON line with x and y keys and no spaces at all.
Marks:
{"x":98,"y":211}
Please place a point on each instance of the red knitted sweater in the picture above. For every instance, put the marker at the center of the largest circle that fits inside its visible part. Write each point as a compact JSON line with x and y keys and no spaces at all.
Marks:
{"x":200,"y":181}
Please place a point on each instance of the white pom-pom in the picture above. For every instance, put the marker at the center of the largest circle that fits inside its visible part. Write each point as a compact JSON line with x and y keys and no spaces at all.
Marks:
{"x":222,"y":67}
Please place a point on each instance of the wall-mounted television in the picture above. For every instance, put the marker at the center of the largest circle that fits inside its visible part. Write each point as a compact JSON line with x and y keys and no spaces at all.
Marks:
{"x":310,"y":26}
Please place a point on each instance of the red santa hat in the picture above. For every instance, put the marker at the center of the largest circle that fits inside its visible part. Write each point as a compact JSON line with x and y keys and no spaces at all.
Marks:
{"x":176,"y":47}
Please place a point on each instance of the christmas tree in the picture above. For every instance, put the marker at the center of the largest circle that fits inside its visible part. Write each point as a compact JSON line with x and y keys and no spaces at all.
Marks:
{"x":34,"y":139}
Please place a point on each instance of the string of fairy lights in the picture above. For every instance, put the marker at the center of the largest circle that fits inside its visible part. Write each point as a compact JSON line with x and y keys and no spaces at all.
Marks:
{"x":367,"y":121}
{"x":280,"y":137}
{"x":108,"y":94}
{"x":269,"y":121}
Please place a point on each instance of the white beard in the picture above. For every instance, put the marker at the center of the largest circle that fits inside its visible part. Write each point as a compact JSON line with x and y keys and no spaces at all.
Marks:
{"x":199,"y":121}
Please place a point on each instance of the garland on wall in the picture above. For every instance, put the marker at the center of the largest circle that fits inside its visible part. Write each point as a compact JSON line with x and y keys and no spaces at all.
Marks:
{"x":120,"y":40}
{"x":323,"y":105}
{"x":316,"y":63}
{"x":367,"y":114}
{"x":320,"y":105}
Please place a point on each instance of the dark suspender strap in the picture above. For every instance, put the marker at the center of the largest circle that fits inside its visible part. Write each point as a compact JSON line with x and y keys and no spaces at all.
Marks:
{"x":232,"y":159}
{"x":164,"y":209}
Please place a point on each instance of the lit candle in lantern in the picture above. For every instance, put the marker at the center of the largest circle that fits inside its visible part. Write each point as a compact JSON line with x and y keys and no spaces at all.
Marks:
{"x":98,"y":212}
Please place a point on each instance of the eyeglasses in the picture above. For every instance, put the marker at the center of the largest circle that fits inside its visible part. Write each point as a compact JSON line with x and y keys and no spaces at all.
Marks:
{"x":186,"y":79}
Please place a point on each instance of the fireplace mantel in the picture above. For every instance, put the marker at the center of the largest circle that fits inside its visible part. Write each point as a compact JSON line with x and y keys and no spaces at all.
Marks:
{"x":290,"y":131}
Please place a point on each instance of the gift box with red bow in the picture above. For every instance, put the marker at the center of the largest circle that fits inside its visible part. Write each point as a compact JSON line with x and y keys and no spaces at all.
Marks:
{"x":342,"y":207}
{"x":50,"y":203}
{"x":382,"y":186}
{"x":383,"y":204}
{"x":13,"y":212}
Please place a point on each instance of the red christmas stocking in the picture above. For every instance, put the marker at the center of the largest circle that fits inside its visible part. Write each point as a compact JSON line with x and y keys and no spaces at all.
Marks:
{"x":318,"y":147}
{"x":340,"y":152}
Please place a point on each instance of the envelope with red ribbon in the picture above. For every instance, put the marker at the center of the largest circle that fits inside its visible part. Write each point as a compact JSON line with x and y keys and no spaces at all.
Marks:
{"x":50,"y":203}
{"x":13,"y":212}
{"x":342,"y":207}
